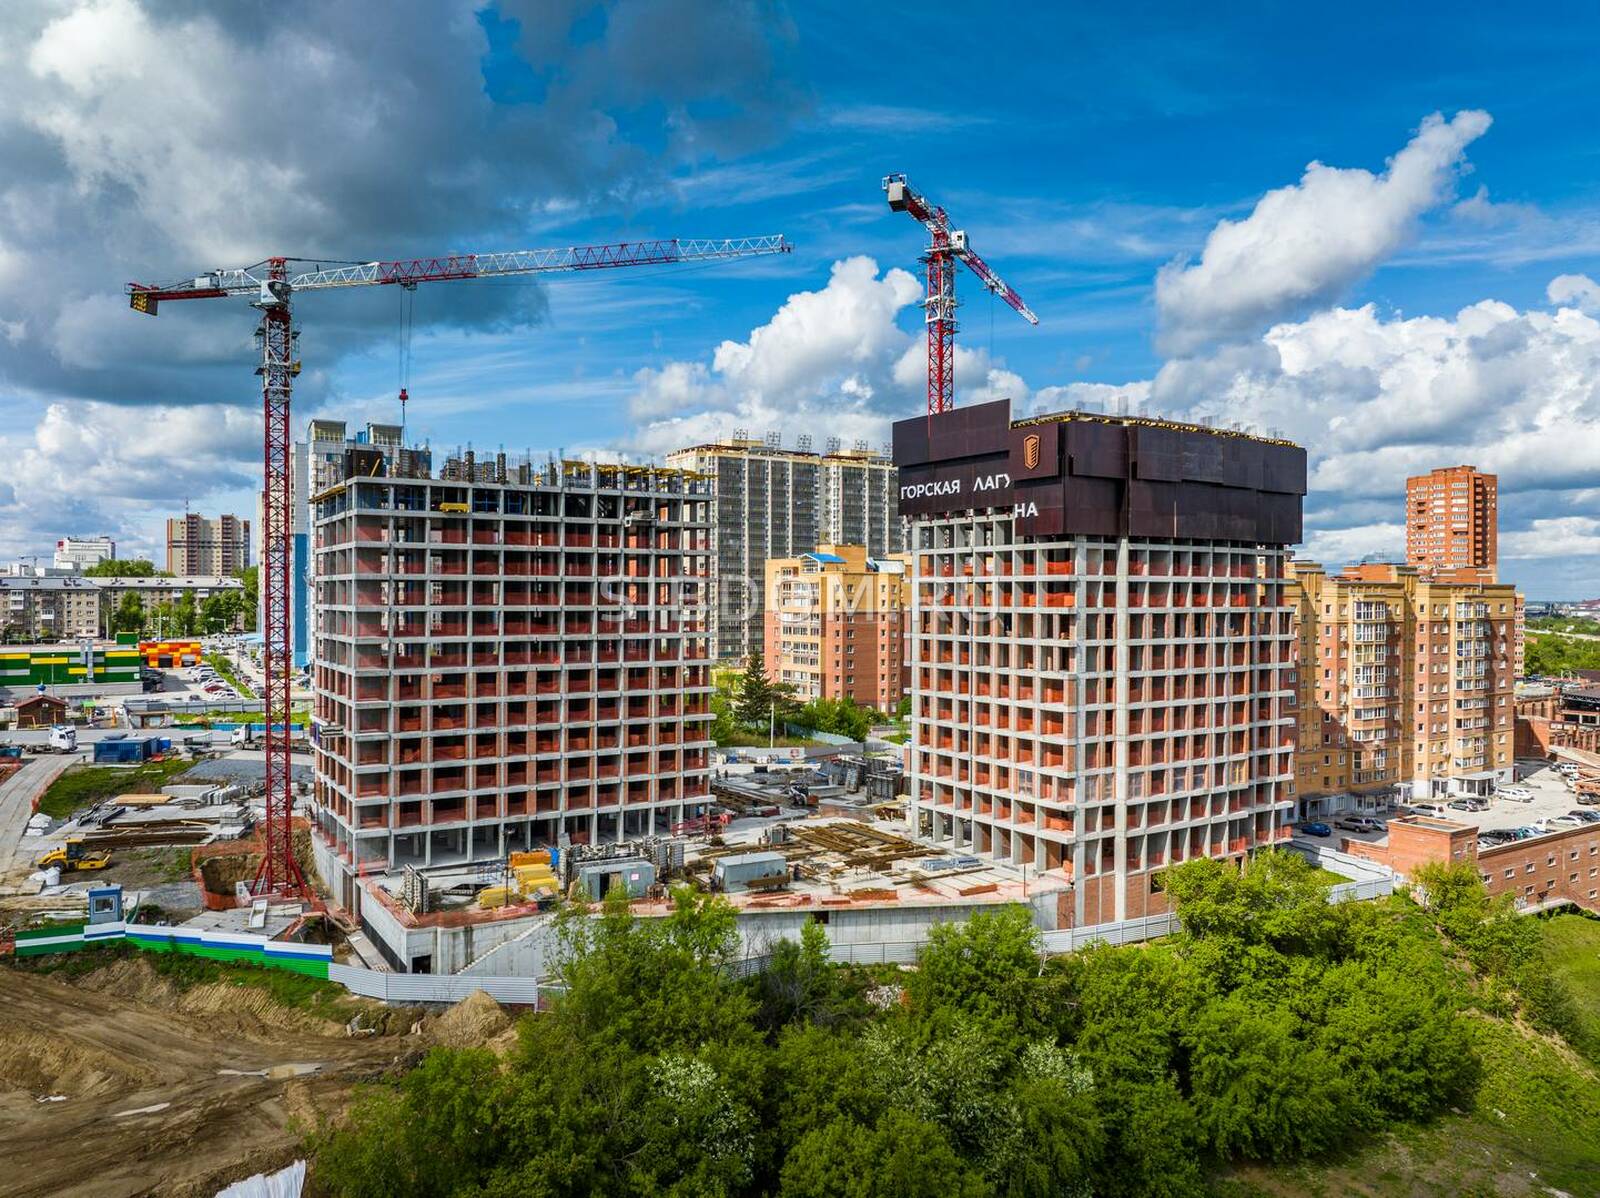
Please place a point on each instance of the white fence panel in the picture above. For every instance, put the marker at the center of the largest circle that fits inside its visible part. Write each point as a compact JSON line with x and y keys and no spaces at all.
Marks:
{"x":433,"y":988}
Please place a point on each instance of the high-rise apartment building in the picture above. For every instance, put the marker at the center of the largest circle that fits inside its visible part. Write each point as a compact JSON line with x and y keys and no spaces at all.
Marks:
{"x":836,"y":625}
{"x":501,"y":664}
{"x":79,"y":553}
{"x":776,"y":503}
{"x":1406,"y":686}
{"x":1102,"y":650}
{"x":1451,"y":523}
{"x":199,"y":546}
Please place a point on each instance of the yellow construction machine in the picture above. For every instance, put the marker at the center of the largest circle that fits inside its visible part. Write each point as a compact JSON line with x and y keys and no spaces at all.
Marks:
{"x":73,"y":855}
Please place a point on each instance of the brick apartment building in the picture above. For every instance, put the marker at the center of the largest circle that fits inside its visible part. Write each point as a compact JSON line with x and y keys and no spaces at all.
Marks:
{"x":1102,"y":649}
{"x":1406,"y":686}
{"x":1452,"y":522}
{"x":836,"y":622}
{"x":501,"y":664}
{"x":1539,"y":873}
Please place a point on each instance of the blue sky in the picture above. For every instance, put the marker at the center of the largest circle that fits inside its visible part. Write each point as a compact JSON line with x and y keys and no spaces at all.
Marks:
{"x":1389,"y":320}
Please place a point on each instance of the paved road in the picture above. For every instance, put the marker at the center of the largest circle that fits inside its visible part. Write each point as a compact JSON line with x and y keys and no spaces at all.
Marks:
{"x":1577,"y":636}
{"x":16,"y":805}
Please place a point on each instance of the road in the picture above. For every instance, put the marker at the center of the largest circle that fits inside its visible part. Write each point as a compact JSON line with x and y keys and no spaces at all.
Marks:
{"x":16,"y":805}
{"x":1577,"y":636}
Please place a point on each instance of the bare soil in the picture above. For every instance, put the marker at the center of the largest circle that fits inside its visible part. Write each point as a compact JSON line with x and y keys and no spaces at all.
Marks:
{"x":122,"y":1084}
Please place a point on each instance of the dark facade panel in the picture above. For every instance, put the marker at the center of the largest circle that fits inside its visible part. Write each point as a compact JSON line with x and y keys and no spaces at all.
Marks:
{"x":1102,"y":477}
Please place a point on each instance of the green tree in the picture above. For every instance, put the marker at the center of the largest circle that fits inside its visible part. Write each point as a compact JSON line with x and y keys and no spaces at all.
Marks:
{"x":841,"y":717}
{"x":129,"y":614}
{"x":757,"y":697}
{"x":903,"y":1155}
{"x":127,"y":567}
{"x":185,"y":615}
{"x":799,"y":982}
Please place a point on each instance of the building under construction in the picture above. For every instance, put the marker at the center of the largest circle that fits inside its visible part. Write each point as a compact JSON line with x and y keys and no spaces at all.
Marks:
{"x":507,"y":656}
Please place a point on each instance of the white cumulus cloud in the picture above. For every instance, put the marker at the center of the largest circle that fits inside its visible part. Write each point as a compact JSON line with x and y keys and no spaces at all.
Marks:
{"x":1304,"y":244}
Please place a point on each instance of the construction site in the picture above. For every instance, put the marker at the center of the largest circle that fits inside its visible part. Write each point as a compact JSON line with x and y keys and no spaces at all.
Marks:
{"x":780,"y":846}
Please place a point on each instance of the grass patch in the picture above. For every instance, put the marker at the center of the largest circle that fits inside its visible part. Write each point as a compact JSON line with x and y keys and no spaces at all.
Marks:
{"x":740,"y":739}
{"x":293,"y":990}
{"x":1572,"y":951}
{"x":251,"y":715}
{"x":224,"y":669}
{"x":85,"y":785}
{"x":1532,"y":1130}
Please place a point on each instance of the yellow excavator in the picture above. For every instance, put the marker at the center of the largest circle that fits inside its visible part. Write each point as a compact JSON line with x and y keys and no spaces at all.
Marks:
{"x":73,"y":855}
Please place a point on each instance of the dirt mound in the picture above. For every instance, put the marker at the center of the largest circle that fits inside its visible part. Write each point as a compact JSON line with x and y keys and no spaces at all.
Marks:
{"x":133,"y":979}
{"x":475,"y":1020}
{"x":244,"y":1010}
{"x":42,"y":1065}
{"x":251,"y":1010}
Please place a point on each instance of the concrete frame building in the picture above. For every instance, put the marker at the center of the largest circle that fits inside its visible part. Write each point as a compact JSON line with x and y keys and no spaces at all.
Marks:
{"x":500,"y":665}
{"x":79,"y":553}
{"x":315,"y":464}
{"x":197,"y":545}
{"x":1452,"y":523}
{"x":1102,"y":651}
{"x":1406,"y":686}
{"x":776,"y":503}
{"x":835,"y":625}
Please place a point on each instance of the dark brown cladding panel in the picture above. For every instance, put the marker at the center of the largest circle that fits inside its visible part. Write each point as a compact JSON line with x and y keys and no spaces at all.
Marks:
{"x":1102,"y":478}
{"x":960,"y":433}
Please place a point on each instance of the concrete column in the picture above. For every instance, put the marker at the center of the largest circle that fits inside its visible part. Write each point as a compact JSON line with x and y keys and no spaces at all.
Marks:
{"x":1080,"y":856}
{"x":1119,"y":778}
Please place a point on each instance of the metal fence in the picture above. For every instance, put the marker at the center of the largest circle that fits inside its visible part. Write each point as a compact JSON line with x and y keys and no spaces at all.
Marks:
{"x":433,"y":988}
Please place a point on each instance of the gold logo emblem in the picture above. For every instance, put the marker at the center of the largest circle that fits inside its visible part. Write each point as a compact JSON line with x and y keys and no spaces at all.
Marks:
{"x":1030,"y":451}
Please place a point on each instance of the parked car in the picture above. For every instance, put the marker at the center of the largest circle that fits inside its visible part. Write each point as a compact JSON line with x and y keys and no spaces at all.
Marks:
{"x":1588,"y":817}
{"x":1494,"y":836}
{"x":1468,"y":805}
{"x":1359,"y":823}
{"x":1527,"y":831}
{"x":1316,"y":828}
{"x":1563,"y":821}
{"x":1520,"y":793}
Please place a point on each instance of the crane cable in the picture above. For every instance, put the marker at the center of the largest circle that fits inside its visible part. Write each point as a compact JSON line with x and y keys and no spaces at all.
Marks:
{"x":408,"y":320}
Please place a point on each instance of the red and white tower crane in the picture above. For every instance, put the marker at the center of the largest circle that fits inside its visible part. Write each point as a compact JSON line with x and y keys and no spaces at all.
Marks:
{"x":271,"y":287}
{"x":948,"y":246}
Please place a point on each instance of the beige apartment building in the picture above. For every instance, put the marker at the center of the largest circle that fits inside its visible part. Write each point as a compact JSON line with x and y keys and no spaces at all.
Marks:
{"x":197,"y":545}
{"x":1405,"y":686}
{"x":836,"y":625}
{"x":1452,"y":523}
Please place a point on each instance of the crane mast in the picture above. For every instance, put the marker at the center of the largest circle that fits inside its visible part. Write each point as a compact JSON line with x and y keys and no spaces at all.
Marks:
{"x":271,"y":285}
{"x":947,"y":245}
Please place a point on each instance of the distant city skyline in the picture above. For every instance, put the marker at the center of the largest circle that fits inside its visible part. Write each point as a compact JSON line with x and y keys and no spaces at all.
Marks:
{"x":1399,"y":279}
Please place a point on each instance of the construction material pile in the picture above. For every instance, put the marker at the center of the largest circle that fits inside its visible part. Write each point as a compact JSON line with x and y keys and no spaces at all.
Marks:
{"x":530,"y":876}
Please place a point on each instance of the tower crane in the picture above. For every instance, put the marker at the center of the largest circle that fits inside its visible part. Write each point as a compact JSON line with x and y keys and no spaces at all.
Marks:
{"x":947,"y":246}
{"x":271,"y":286}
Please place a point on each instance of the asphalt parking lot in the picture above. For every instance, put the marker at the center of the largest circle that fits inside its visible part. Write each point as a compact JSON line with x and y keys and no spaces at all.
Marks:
{"x":1551,"y":797}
